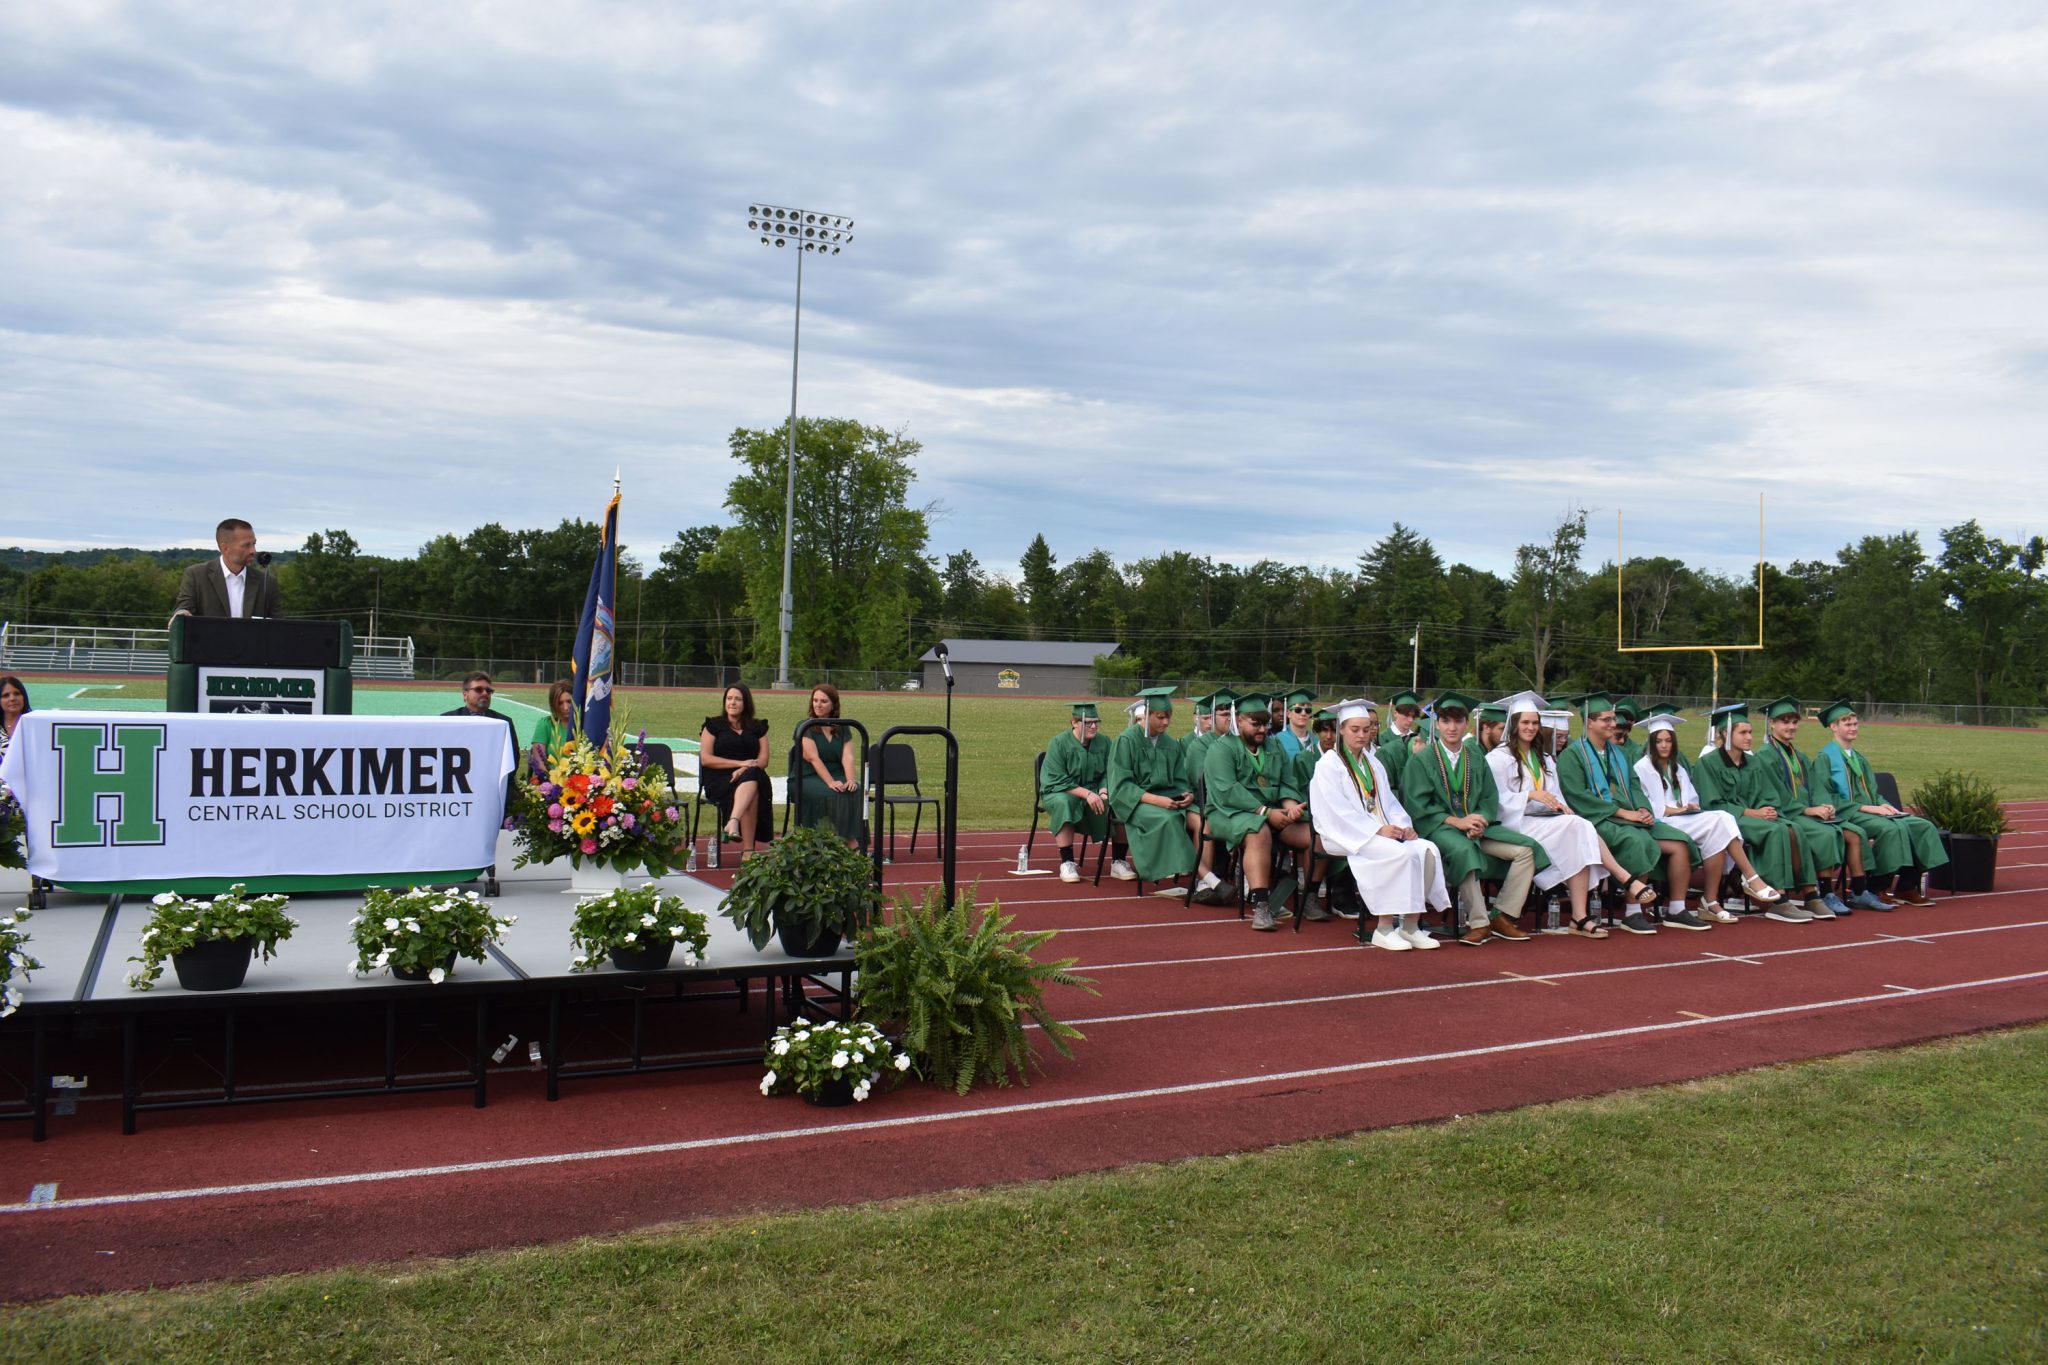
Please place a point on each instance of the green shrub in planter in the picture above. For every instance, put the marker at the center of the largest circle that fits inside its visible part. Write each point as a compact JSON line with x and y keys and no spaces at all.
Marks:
{"x":1962,"y":803}
{"x":809,"y":882}
{"x":14,"y":961}
{"x":961,"y":985}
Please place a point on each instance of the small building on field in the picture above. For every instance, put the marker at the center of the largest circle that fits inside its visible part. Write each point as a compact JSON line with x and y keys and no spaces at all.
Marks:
{"x":1025,"y":668}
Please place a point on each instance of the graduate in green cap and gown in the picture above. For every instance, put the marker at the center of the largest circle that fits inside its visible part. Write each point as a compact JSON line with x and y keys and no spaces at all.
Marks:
{"x":1150,"y":793}
{"x":1627,"y":712}
{"x":1197,"y":744}
{"x":1073,"y":787}
{"x":1254,"y":805}
{"x":1787,"y":783}
{"x":1450,"y":794}
{"x":1667,"y":780}
{"x":1399,"y":738}
{"x":1727,"y":777}
{"x":1599,"y":782}
{"x":1492,"y":720}
{"x":1902,"y":844}
{"x":1298,"y":733}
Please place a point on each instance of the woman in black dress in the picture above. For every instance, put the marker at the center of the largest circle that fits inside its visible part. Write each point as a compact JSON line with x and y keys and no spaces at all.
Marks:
{"x":732,"y":769}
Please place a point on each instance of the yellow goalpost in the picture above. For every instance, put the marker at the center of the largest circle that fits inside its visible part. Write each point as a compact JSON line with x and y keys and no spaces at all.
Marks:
{"x":1715,"y":651}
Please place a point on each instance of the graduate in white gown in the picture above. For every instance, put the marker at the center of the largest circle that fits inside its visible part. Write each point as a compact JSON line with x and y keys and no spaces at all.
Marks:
{"x":1675,"y":801}
{"x":1526,"y":774}
{"x":1358,"y":816}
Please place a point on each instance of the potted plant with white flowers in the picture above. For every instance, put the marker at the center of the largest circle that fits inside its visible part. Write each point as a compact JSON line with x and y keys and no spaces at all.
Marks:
{"x":210,"y":942}
{"x":830,"y":1064}
{"x":639,"y":928}
{"x":15,"y":963}
{"x":416,"y":935}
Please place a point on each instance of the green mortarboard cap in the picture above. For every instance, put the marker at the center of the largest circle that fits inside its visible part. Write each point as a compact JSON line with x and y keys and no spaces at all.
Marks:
{"x":1835,"y":710}
{"x":1628,"y":709}
{"x":1158,"y":699}
{"x":1494,"y":712}
{"x":1204,"y":704}
{"x":1723,"y":716}
{"x":1300,"y":696}
{"x":1085,"y":710}
{"x":1662,"y":708}
{"x":1223,"y":699}
{"x":1259,"y":705}
{"x":1326,"y":714}
{"x":1456,"y":701}
{"x":1783,"y":706}
{"x":1591,"y":704}
{"x":1404,"y":698}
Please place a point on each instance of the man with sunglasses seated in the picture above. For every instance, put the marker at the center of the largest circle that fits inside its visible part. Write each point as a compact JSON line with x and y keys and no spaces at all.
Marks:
{"x":477,"y":692}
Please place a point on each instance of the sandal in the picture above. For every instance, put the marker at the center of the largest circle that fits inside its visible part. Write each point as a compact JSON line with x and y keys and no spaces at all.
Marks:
{"x":1717,"y":912}
{"x":1761,"y":891}
{"x":1647,"y":895}
{"x":731,"y":833}
{"x":1587,"y":927}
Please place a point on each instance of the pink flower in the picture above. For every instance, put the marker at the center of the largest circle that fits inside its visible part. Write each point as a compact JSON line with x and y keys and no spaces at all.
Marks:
{"x":630,"y":783}
{"x":590,"y":845}
{"x":554,"y":826}
{"x":555,"y":811}
{"x":626,"y":821}
{"x":669,"y":814}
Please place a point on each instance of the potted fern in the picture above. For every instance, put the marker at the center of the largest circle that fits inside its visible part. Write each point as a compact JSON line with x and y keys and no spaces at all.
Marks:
{"x":639,"y":928}
{"x":209,"y":943}
{"x":1966,"y":809}
{"x":807,"y":888}
{"x":959,"y":986}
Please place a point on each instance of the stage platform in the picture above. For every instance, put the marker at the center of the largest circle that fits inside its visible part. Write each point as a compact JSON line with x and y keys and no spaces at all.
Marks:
{"x":85,"y":943}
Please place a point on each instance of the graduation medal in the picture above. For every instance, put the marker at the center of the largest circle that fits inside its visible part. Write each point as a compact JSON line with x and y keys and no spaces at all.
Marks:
{"x":1361,"y":778}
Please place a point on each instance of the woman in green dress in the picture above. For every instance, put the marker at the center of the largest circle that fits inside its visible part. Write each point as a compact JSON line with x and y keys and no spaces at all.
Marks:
{"x":557,"y":727}
{"x":828,"y":796}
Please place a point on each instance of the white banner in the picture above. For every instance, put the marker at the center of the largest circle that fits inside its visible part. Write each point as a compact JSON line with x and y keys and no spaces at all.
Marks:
{"x":147,"y":798}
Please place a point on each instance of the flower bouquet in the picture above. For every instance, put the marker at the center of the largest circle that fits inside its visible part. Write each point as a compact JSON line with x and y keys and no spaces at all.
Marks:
{"x":638,"y":928}
{"x":13,"y":829}
{"x":14,"y":961}
{"x":829,"y":1063}
{"x":599,"y":805}
{"x":418,"y":934}
{"x":210,"y":942}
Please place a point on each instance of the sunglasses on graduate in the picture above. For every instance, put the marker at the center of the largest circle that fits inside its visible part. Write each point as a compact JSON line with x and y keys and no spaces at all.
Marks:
{"x":487,"y":691}
{"x":1300,"y":710}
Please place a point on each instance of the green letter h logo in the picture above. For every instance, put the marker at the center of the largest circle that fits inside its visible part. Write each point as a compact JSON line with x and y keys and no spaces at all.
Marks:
{"x":82,"y":781}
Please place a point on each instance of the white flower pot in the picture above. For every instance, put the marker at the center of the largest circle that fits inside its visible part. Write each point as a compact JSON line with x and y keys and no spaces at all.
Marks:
{"x":594,"y":880}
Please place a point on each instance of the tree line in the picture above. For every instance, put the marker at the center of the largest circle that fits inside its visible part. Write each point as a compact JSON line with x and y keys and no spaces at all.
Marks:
{"x":1884,"y":620}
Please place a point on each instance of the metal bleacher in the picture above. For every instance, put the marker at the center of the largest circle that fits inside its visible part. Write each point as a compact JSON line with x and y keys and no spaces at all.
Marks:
{"x":126,"y":649}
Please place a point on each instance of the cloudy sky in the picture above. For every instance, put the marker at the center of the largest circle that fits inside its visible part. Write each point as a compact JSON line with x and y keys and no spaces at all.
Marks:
{"x":408,"y":268}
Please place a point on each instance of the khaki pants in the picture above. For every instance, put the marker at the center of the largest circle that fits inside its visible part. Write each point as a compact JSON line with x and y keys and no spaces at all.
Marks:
{"x":1514,"y":889}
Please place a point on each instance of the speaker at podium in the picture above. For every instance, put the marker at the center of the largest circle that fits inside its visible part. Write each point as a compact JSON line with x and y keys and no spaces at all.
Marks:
{"x":260,"y":666}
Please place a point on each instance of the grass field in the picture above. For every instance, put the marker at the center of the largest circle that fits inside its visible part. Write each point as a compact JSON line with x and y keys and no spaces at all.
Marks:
{"x":1000,"y":736}
{"x":1882,"y":1206}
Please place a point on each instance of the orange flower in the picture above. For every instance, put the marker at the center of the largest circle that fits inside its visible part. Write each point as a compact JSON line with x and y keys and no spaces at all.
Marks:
{"x":602,"y":805}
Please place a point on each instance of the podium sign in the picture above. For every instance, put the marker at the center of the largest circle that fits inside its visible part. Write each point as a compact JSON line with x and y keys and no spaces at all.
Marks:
{"x":139,"y":802}
{"x":262,"y":692}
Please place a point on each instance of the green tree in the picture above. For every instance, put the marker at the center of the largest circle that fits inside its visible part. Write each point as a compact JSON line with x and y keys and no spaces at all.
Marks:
{"x":1040,"y":586}
{"x":858,"y":542}
{"x":1547,"y":573}
{"x":1996,"y":591}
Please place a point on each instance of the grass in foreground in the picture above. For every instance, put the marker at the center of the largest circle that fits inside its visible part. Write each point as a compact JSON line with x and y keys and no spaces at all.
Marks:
{"x":1884,"y":1206}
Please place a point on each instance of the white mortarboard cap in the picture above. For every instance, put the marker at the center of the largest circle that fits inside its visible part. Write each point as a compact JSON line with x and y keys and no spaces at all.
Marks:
{"x":1656,"y":723}
{"x":1557,"y":720}
{"x":1352,"y":708}
{"x":1521,"y":703}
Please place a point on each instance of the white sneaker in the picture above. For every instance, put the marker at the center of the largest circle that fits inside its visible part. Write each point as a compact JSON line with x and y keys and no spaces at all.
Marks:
{"x":1392,"y":940}
{"x":1417,"y":938}
{"x":1121,"y":870}
{"x":1069,"y":873}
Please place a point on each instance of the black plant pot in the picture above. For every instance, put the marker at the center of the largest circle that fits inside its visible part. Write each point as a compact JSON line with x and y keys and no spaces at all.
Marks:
{"x":643,"y":959}
{"x":793,"y":942}
{"x":423,"y":973}
{"x":832,"y":1094}
{"x":1972,"y":863}
{"x":218,"y":964}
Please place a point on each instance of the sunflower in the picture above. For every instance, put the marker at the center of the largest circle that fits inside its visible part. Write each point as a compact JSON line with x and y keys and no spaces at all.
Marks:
{"x":583,"y":822}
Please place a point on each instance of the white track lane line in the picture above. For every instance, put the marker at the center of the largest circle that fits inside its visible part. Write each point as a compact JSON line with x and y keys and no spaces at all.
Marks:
{"x":993,"y":1111}
{"x":1704,"y":960}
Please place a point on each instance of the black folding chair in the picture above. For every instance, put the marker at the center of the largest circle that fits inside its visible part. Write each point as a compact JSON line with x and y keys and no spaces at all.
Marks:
{"x":1888,"y":788}
{"x":895,"y":765}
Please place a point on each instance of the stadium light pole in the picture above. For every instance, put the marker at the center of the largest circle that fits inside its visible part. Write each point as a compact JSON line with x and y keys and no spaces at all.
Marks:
{"x":827,"y":234}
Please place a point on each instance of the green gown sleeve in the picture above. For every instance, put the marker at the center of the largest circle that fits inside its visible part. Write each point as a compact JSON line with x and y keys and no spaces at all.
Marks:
{"x":1064,"y":766}
{"x":1423,"y":797}
{"x":1227,"y":772}
{"x":1576,"y":782}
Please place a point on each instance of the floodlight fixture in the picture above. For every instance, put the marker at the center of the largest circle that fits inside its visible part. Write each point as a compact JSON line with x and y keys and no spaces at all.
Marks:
{"x":827,"y":234}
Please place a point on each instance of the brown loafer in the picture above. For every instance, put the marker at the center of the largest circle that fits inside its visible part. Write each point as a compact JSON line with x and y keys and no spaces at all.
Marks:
{"x":1475,"y":936}
{"x":1914,"y":898}
{"x":1505,"y":927}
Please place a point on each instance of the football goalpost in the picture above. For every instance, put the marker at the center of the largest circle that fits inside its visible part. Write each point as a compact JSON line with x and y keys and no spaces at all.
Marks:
{"x":1713,"y":651}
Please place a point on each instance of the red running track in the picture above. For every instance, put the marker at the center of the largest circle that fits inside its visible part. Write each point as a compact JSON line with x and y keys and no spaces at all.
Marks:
{"x":1206,"y":1038}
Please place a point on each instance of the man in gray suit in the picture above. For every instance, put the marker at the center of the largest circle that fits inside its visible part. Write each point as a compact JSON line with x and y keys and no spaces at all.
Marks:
{"x":232,"y":585}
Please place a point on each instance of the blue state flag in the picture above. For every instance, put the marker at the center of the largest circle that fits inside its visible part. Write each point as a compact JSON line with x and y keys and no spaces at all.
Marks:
{"x":595,"y":635}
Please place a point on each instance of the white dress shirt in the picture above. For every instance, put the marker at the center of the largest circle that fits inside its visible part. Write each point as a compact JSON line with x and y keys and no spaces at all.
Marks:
{"x":236,"y":583}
